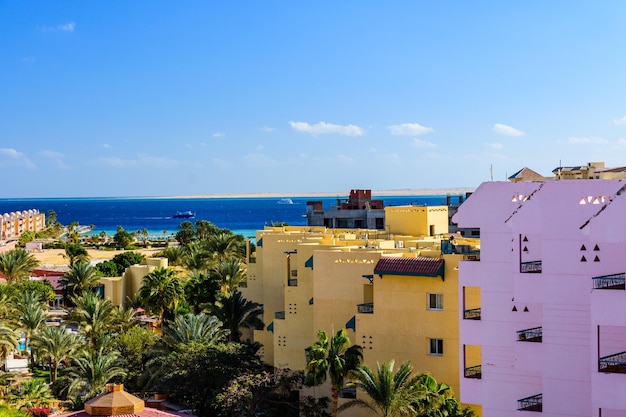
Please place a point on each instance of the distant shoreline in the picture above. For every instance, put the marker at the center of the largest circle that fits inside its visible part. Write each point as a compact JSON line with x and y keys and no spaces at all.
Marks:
{"x":375,"y":193}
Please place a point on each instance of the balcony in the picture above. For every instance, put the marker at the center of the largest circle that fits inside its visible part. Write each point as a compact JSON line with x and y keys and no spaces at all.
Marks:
{"x":366,"y":308}
{"x":474,"y":372}
{"x":471,"y":314}
{"x":613,"y":364}
{"x":533,"y":267}
{"x":292,"y":282}
{"x":243,"y":284}
{"x":472,"y":257}
{"x":534,"y":403}
{"x":252,"y":260}
{"x":279,"y":315}
{"x":610,"y":282}
{"x":530,"y":335}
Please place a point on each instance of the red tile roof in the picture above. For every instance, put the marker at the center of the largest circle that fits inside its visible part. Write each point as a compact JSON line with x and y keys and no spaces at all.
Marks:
{"x":419,"y":266}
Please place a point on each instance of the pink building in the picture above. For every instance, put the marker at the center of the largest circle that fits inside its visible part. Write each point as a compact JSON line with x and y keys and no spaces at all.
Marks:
{"x":543,"y":310}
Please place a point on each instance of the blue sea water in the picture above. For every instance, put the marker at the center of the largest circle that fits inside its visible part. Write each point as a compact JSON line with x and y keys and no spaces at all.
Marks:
{"x":241,"y":215}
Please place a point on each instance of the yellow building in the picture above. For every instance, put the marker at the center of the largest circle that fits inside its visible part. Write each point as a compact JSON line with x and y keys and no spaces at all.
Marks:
{"x":117,"y":289}
{"x":13,"y":224}
{"x":315,"y":278}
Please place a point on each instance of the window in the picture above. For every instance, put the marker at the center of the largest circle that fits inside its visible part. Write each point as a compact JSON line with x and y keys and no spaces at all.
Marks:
{"x":435,"y":347}
{"x":435,"y":301}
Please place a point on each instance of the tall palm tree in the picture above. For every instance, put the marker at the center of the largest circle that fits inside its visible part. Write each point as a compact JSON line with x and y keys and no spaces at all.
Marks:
{"x":334,"y":358}
{"x":93,"y":370}
{"x":224,"y":246}
{"x":93,"y":315}
{"x":199,"y":328}
{"x":57,"y":344}
{"x":236,"y":312}
{"x":437,"y":399}
{"x":31,"y":316}
{"x":74,"y":253}
{"x":16,"y":264}
{"x":9,"y":340}
{"x":390,"y":394}
{"x":161,"y":291}
{"x":229,"y":273}
{"x":80,"y":277}
{"x":196,"y":256}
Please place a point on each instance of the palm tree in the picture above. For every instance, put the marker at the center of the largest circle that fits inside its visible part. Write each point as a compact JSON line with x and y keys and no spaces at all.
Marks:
{"x":31,"y":393}
{"x":161,"y":291}
{"x":74,"y":253}
{"x":229,"y":273}
{"x":199,"y":328}
{"x":93,"y":370}
{"x":81,"y":277}
{"x":335,"y":358}
{"x":16,"y":264}
{"x":437,"y":399}
{"x":57,"y":344}
{"x":196,"y":257}
{"x":390,"y":394}
{"x":31,"y":315}
{"x":225,"y":246}
{"x":236,"y":312}
{"x":93,"y":315}
{"x":9,"y":340}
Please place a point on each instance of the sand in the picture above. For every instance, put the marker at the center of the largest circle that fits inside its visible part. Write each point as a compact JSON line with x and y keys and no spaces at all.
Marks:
{"x":53,"y":258}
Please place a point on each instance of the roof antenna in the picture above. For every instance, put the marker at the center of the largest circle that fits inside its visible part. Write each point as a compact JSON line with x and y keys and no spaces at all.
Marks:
{"x":491,"y":171}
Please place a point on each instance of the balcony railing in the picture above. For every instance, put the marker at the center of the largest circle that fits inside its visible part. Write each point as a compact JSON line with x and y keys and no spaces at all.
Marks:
{"x":367,"y":308}
{"x":243,"y":284}
{"x":610,"y":282}
{"x":530,"y":335}
{"x":475,"y":372}
{"x":613,"y":364}
{"x":292,"y":282}
{"x":472,"y":314}
{"x":252,"y":260}
{"x":533,"y":267}
{"x":279,"y":315}
{"x":534,"y":403}
{"x":472,"y":257}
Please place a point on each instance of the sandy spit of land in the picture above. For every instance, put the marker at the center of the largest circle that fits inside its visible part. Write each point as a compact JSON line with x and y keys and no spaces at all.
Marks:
{"x":343,"y":194}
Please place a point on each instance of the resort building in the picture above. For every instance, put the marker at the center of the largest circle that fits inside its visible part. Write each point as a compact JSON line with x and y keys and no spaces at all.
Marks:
{"x":13,"y":224}
{"x":395,"y":290}
{"x":359,"y":211}
{"x":543,"y":311}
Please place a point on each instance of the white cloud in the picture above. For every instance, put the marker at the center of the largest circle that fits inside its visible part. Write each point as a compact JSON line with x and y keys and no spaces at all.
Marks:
{"x":419,"y":143}
{"x":323,"y":128}
{"x":218,"y":135}
{"x":621,"y":121}
{"x":260,"y":148}
{"x":582,"y":141}
{"x":106,"y":146}
{"x":506,"y":130}
{"x":141,"y":161}
{"x":494,"y":145}
{"x":64,"y":27}
{"x":409,"y":129}
{"x":267,"y":129}
{"x":17,"y":158}
{"x":51,"y":154}
{"x":221,"y":163}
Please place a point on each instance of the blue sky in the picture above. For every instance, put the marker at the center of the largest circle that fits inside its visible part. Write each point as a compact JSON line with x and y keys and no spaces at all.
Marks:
{"x":158,"y":98}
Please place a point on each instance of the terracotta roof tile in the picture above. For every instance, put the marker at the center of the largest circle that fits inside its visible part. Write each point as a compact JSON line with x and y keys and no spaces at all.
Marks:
{"x":419,"y":266}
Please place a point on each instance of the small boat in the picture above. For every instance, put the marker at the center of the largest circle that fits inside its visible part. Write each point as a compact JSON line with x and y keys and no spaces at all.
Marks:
{"x":285,"y":201}
{"x":184,"y":215}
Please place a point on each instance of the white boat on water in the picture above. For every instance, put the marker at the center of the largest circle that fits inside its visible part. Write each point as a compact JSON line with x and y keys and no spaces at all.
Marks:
{"x":285,"y":201}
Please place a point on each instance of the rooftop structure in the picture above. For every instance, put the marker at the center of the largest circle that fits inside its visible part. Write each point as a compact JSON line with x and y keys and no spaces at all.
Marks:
{"x":358,"y":211}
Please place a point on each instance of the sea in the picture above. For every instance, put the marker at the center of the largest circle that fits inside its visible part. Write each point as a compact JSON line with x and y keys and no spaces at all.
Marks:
{"x":241,"y":215}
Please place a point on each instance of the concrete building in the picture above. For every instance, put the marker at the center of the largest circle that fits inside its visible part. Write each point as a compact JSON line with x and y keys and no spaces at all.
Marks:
{"x":13,"y":224}
{"x":543,"y":312}
{"x":395,"y":290}
{"x":359,"y":211}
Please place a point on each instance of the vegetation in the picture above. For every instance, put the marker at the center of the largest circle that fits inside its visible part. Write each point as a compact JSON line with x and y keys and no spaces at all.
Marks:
{"x":16,"y":264}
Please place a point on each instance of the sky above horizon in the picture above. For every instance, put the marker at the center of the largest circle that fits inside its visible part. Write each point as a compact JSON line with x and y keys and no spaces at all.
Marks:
{"x":144,"y":98}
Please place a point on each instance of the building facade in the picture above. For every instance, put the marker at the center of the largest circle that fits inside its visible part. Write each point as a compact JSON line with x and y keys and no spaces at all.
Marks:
{"x":13,"y":224}
{"x":543,"y":311}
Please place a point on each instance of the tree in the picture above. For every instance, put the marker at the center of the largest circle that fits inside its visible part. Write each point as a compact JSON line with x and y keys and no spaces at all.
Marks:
{"x":228,"y":273}
{"x":186,"y":234}
{"x":390,"y":394}
{"x":93,"y":370}
{"x":198,"y":328}
{"x":200,"y":289}
{"x":93,"y":316}
{"x":135,"y":345}
{"x":74,"y":253}
{"x":31,"y":315}
{"x":236,"y":312}
{"x":57,"y":344}
{"x":9,"y":340}
{"x":196,"y":257}
{"x":80,"y":278}
{"x":437,"y":400}
{"x":42,"y":288}
{"x":16,"y":264}
{"x":334,"y":358}
{"x":122,"y":238}
{"x":161,"y":291}
{"x":225,"y":246}
{"x":52,"y":218}
{"x":31,"y":393}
